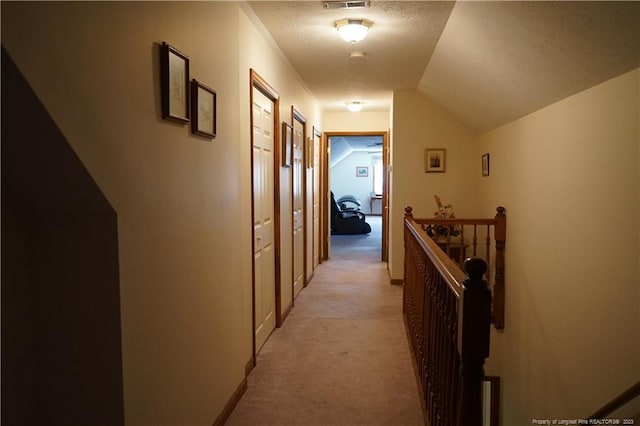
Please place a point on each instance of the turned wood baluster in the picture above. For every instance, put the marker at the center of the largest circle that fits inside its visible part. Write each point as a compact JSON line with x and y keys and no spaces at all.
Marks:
{"x":461,"y":252}
{"x":475,"y":240}
{"x":408,"y":214}
{"x":488,"y":248}
{"x":498,"y":285}
{"x":451,"y":354}
{"x":438,"y":378}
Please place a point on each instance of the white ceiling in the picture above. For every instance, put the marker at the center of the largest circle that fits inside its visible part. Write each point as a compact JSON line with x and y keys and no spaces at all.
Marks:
{"x":486,"y":63}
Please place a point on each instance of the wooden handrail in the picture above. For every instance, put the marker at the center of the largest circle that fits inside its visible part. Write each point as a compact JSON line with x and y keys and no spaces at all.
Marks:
{"x":618,"y":402}
{"x":499,"y":224}
{"x":446,"y":266}
{"x":448,"y":318}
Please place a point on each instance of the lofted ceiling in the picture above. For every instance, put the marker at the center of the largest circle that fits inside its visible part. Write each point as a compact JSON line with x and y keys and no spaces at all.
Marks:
{"x":342,"y":146}
{"x":486,"y":63}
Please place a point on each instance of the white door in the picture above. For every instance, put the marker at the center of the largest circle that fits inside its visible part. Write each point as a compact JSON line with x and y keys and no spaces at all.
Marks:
{"x":315,"y":152}
{"x":263,"y":218}
{"x":298,"y":207}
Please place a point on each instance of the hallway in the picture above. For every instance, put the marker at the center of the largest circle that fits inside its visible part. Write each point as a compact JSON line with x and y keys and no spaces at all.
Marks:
{"x":342,"y":356}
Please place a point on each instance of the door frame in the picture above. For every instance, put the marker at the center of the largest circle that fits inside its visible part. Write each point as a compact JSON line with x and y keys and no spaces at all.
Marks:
{"x":326,"y":192}
{"x":317,"y":176}
{"x":297,"y":116}
{"x":257,"y":82}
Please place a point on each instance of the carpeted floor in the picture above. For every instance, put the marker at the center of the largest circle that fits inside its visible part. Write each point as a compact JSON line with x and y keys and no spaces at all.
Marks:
{"x":342,"y":356}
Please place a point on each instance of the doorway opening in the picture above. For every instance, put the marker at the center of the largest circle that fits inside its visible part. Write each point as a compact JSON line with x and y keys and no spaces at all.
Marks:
{"x":357,"y":169}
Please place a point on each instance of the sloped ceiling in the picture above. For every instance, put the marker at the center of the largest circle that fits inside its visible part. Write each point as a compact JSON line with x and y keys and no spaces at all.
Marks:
{"x":342,"y":146}
{"x":487,"y":63}
{"x":497,"y":61}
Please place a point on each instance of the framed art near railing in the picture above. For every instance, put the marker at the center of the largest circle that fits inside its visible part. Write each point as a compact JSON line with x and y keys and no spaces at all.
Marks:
{"x":485,"y":164}
{"x":435,"y":160}
{"x":174,"y":70}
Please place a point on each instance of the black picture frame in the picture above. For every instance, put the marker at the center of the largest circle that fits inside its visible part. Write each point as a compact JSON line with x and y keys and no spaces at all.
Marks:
{"x":203,"y":110}
{"x":435,"y":160}
{"x":174,"y":70}
{"x":485,"y":165}
{"x":287,"y":144}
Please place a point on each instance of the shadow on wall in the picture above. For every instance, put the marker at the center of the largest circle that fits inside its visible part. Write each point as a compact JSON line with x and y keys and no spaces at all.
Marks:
{"x":61,"y":339}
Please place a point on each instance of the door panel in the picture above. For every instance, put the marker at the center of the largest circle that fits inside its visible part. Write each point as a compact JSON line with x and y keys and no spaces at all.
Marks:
{"x":316,"y":198}
{"x":298,"y":207}
{"x":263,"y":217}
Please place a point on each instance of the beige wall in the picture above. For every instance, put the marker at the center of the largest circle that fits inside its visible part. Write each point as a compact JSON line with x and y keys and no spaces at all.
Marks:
{"x":568,"y":176}
{"x":258,"y":52}
{"x":183,"y":202}
{"x":419,"y":124}
{"x":363,"y":121}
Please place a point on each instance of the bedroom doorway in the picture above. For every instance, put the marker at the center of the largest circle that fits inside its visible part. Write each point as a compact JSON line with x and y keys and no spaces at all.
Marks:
{"x":357,"y":170}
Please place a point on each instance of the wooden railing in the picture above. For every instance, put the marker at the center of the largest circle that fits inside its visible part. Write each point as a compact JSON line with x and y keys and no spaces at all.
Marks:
{"x":618,"y":402}
{"x":473,"y":238}
{"x":448,"y":318}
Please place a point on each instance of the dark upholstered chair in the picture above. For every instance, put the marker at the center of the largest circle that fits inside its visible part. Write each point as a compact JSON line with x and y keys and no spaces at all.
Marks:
{"x":347,"y":222}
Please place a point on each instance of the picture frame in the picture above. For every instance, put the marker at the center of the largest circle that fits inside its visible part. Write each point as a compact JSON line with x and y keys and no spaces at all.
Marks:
{"x":310,"y":153}
{"x":362,"y":171}
{"x":485,"y":164}
{"x":174,"y":70}
{"x":435,"y":160}
{"x":203,"y":110}
{"x":287,"y":144}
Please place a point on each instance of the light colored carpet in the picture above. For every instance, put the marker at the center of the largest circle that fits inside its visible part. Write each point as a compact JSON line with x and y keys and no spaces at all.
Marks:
{"x":342,"y":356}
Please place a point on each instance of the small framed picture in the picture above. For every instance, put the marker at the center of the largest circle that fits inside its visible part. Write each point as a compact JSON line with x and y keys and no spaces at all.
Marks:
{"x":485,"y":164}
{"x":203,"y":110}
{"x":174,"y":70}
{"x":310,"y":153}
{"x":362,"y":171}
{"x":287,"y":143}
{"x":435,"y":160}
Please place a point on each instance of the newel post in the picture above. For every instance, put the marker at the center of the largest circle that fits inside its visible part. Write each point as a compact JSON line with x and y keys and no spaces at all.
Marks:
{"x":408,"y":212}
{"x":498,"y":286}
{"x":474,"y":323}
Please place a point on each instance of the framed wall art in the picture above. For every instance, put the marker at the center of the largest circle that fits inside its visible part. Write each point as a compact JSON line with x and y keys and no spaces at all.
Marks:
{"x":362,"y":171}
{"x":310,"y":153}
{"x":287,"y":144}
{"x":174,"y":70}
{"x":203,"y":110}
{"x":485,"y":164}
{"x":435,"y":160}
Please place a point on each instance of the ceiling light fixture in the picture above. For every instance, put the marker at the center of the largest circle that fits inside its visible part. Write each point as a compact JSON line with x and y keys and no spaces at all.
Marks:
{"x":353,"y":30}
{"x":355,"y":106}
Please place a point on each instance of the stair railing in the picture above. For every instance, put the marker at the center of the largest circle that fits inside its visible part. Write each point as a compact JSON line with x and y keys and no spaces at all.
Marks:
{"x":617,"y":403}
{"x":473,"y":238}
{"x":448,"y":317}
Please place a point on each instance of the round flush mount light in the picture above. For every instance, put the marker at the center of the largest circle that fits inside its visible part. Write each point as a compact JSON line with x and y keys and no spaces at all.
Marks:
{"x":353,"y":30}
{"x":355,"y":106}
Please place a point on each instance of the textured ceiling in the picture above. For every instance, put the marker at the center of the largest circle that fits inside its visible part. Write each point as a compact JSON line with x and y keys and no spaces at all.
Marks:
{"x":487,"y":63}
{"x":397,"y":48}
